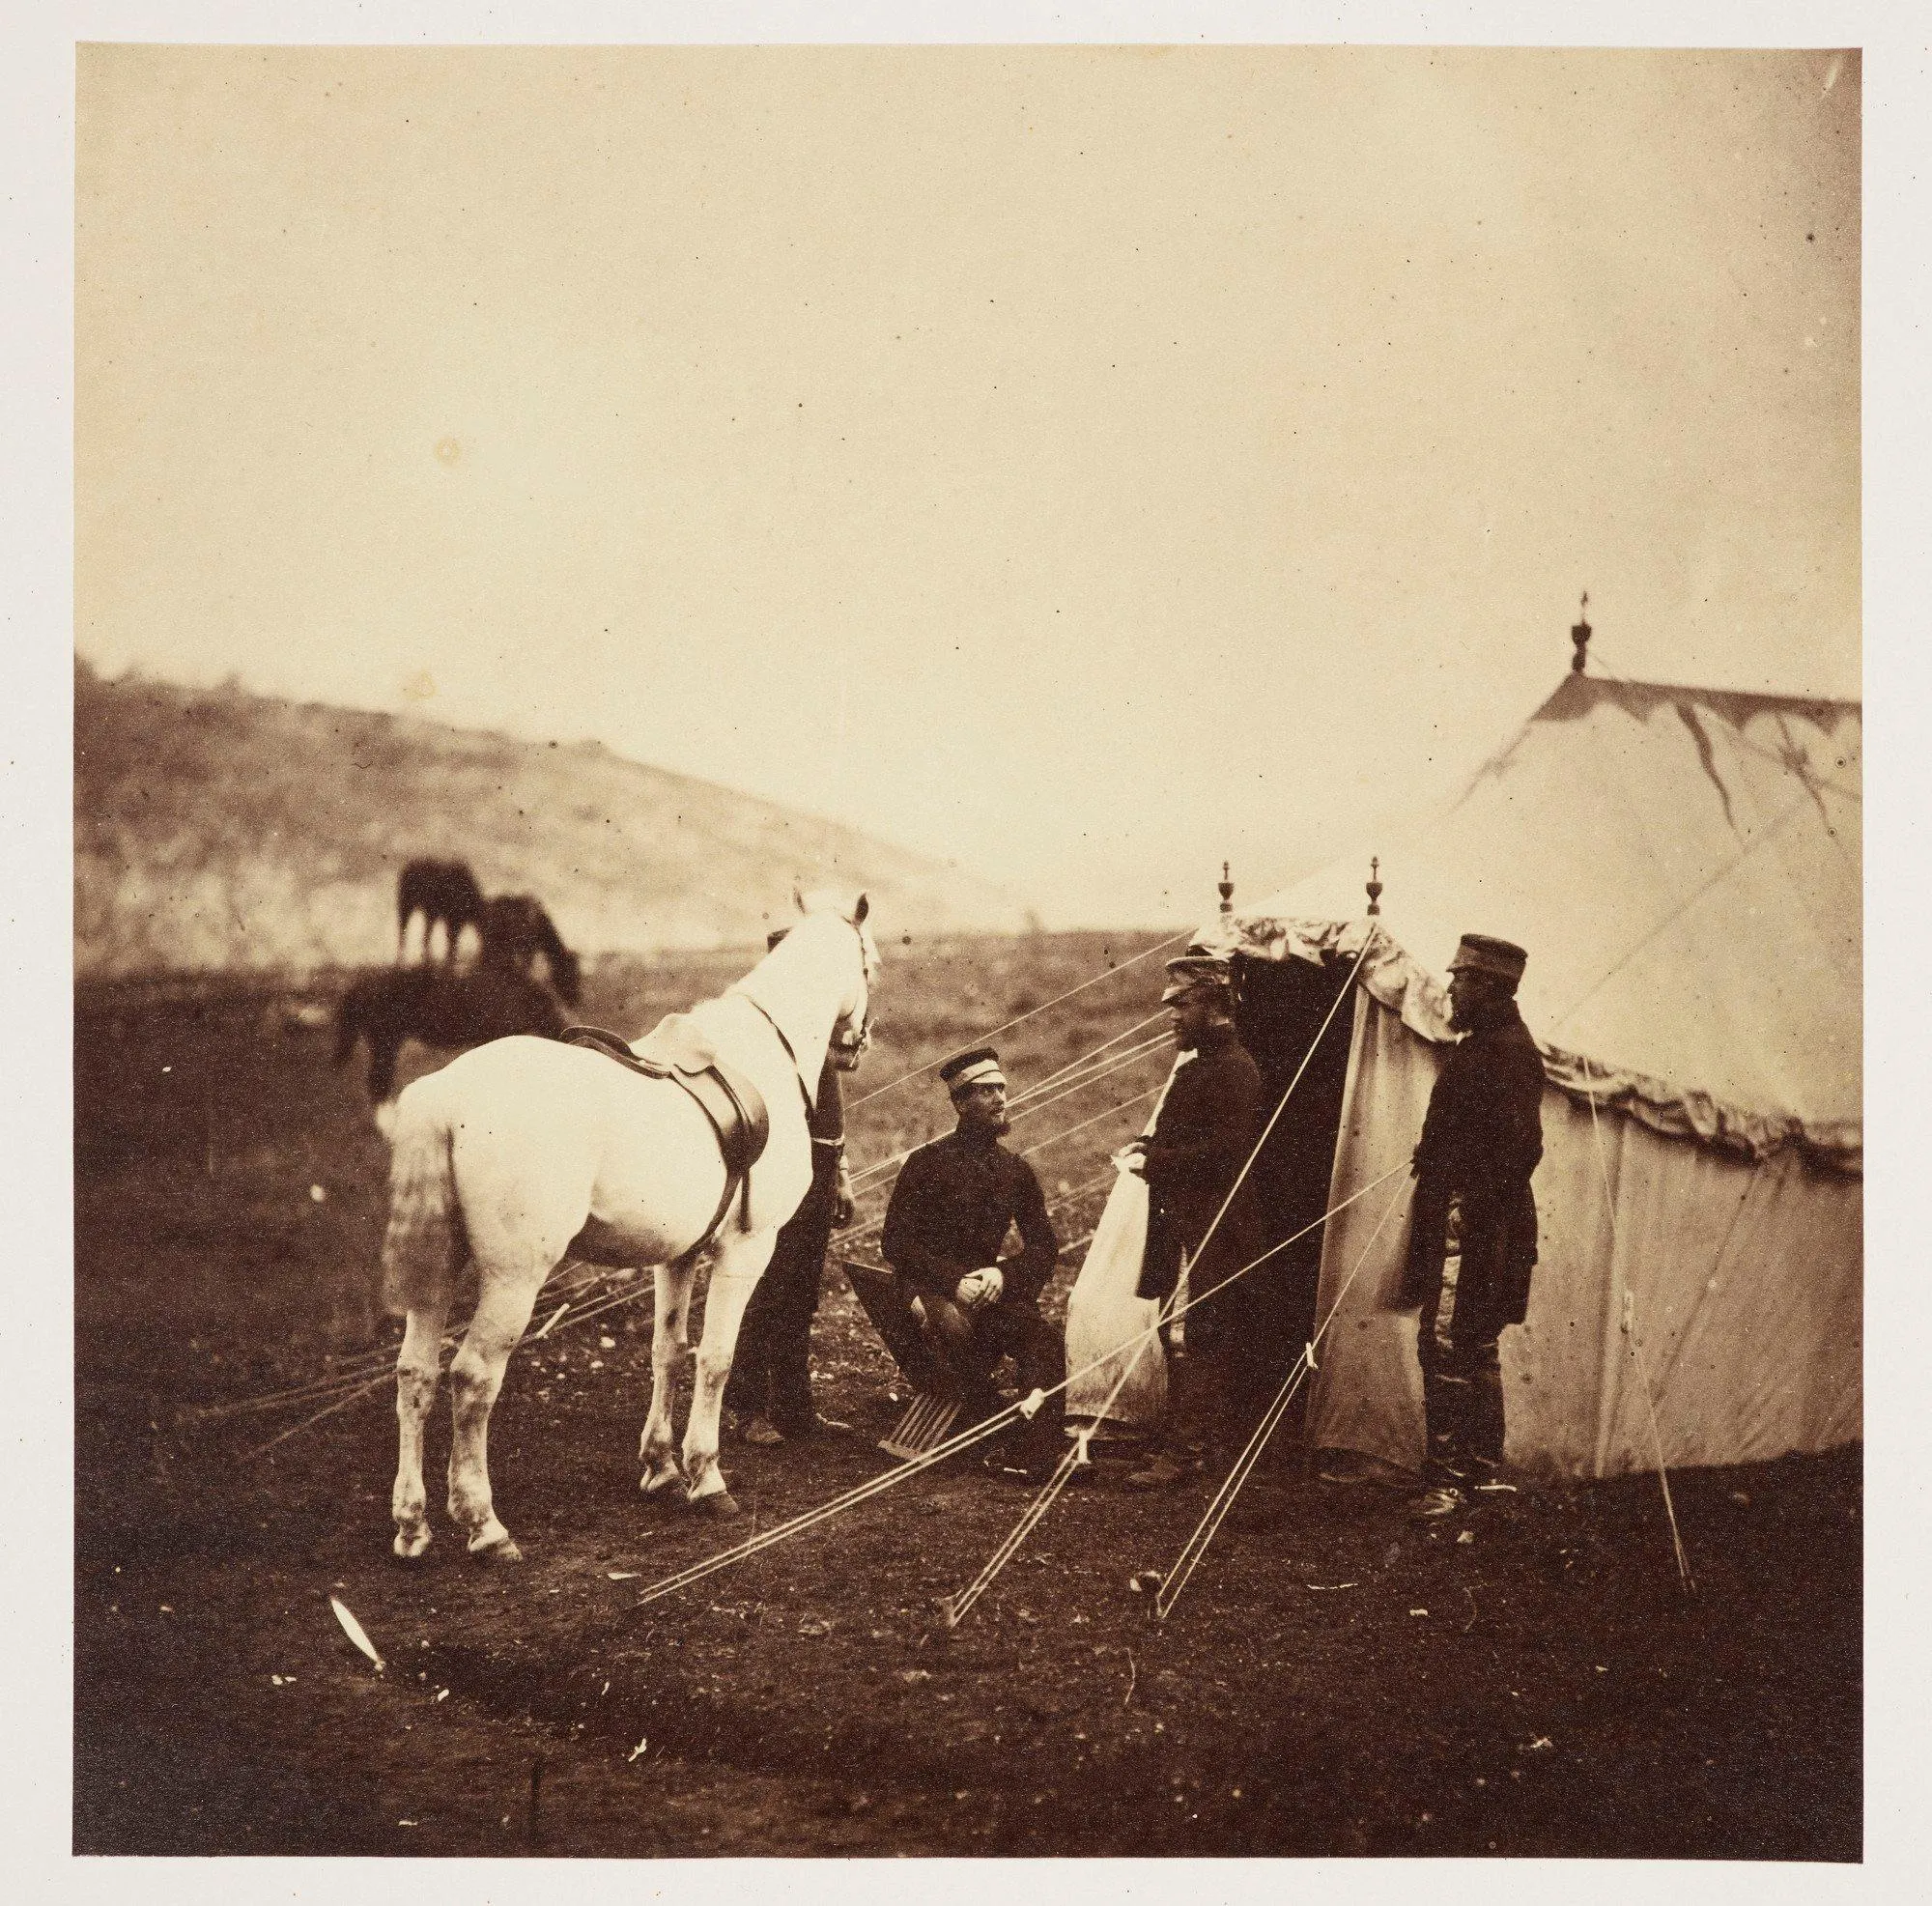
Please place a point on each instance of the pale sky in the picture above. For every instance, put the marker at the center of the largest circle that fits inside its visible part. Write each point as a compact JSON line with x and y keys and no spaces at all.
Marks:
{"x":1087,"y":465}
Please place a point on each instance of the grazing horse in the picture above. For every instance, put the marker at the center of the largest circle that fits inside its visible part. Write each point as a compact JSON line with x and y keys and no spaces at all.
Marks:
{"x":522,"y":1151}
{"x":439,"y":1008}
{"x":516,"y":929}
{"x":441,"y":890}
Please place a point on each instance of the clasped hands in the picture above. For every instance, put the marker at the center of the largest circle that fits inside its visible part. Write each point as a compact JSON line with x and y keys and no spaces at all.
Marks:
{"x":978,"y":1287}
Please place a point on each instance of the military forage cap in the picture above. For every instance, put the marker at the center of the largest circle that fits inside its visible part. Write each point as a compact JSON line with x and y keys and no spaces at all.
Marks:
{"x":1194,"y":969}
{"x":978,"y":1068}
{"x":1479,"y":953}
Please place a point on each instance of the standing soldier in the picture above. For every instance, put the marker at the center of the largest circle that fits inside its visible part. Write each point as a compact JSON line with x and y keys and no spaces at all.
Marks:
{"x":1199,"y":1148}
{"x":770,"y":1387}
{"x":1472,"y":1237}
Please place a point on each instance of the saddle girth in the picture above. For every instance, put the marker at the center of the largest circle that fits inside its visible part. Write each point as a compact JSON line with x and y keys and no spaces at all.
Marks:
{"x":675,"y":1049}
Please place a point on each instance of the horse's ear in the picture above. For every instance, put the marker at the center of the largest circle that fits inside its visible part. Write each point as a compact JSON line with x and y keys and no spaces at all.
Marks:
{"x":861,"y":909}
{"x":798,"y":896}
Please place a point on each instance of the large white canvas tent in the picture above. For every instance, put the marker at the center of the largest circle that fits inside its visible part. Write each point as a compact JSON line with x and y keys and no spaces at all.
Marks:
{"x":1683,"y":866}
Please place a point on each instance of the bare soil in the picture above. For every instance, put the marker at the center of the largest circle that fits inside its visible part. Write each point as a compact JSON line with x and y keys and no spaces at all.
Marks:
{"x":1335,"y":1680}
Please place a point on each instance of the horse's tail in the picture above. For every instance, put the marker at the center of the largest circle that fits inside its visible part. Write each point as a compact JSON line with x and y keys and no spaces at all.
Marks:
{"x":426,"y":1245}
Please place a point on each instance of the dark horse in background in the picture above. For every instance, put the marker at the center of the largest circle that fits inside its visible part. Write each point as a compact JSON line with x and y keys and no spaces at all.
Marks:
{"x":516,"y":931}
{"x":442,"y":891}
{"x":441,"y":1008}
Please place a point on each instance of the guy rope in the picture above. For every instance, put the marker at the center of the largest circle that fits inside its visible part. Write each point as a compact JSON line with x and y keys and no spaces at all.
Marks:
{"x":1077,"y":1452}
{"x":1195,"y":1545}
{"x":1021,"y":1018}
{"x":1683,"y":1576}
{"x":979,"y":1432}
{"x":1031,"y":1516}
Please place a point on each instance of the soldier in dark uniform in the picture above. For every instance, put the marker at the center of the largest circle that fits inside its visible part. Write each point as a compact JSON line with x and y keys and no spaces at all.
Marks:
{"x":1472,"y":1232}
{"x":770,"y":1387}
{"x":951,"y":1211}
{"x":1205,"y":1133}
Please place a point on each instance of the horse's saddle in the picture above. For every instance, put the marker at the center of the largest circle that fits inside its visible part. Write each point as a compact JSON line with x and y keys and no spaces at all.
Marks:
{"x":677,"y":1049}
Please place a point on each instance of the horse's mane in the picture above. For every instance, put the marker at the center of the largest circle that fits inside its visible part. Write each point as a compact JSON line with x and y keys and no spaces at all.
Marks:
{"x":783,"y":985}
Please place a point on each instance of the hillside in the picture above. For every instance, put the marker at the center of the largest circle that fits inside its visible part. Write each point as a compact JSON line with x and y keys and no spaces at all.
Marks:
{"x":216,"y":829}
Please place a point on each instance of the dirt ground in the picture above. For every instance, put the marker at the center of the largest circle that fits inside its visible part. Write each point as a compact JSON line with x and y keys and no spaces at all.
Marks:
{"x":1334,"y":1680}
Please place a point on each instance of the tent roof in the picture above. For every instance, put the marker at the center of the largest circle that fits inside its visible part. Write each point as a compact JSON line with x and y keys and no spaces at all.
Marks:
{"x":1683,"y":866}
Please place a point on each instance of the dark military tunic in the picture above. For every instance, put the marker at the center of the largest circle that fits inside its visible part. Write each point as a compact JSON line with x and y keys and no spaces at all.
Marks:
{"x":1481,"y":1140}
{"x":1207,"y":1129}
{"x":949,"y":1216}
{"x":950,"y":1213}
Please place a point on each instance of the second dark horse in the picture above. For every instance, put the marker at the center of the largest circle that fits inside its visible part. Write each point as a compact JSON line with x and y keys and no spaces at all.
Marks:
{"x":516,"y":929}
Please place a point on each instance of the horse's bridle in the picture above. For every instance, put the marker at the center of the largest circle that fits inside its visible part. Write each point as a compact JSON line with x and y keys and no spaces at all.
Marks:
{"x":846,"y":1052}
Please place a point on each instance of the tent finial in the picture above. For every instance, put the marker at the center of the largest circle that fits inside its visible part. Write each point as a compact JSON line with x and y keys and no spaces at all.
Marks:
{"x":1226,"y":889}
{"x":1579,"y":633}
{"x":1375,"y":885}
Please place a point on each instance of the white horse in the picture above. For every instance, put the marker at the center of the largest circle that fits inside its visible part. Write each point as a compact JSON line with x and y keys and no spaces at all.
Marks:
{"x":524,"y":1150}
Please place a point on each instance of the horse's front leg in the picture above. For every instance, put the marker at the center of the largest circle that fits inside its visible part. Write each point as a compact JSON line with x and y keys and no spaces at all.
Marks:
{"x":657,"y":1448}
{"x":476,"y":1376}
{"x":415,"y":1391}
{"x":735,"y":1276}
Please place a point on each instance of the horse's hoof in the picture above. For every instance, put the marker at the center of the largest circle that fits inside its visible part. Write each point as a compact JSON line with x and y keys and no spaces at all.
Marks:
{"x":410,"y":1547}
{"x":718,"y":1505}
{"x":504,"y":1549}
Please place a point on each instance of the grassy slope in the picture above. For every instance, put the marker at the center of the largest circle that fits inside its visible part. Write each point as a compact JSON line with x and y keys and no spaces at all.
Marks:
{"x":226,"y":830}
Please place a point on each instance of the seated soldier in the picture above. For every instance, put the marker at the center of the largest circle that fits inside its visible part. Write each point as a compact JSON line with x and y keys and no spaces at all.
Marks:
{"x":949,"y":1213}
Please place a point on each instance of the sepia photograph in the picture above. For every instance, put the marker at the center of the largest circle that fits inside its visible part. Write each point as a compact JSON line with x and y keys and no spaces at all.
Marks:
{"x":968,"y":944}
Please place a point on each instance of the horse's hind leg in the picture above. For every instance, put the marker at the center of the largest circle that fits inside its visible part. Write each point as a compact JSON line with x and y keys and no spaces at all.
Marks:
{"x":415,"y":1391}
{"x":476,"y":1376}
{"x":657,"y":1448}
{"x":734,"y":1275}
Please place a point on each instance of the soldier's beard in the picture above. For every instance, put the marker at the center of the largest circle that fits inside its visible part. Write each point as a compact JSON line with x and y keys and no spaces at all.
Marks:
{"x":1463,"y":1013}
{"x":1190,"y":1041}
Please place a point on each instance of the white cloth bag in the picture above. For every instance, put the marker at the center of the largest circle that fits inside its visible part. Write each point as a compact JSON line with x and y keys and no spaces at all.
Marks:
{"x":1106,"y":1320}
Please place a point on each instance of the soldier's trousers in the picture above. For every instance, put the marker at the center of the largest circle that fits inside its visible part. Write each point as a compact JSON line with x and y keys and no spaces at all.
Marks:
{"x":1216,"y":1398}
{"x":975,"y":1344}
{"x":770,"y":1368}
{"x":1462,"y":1393}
